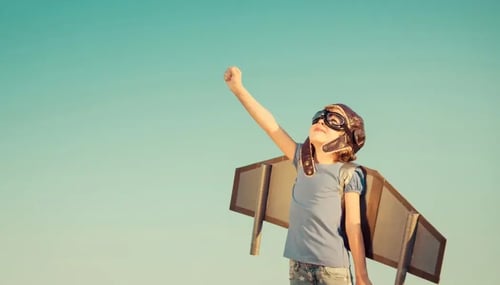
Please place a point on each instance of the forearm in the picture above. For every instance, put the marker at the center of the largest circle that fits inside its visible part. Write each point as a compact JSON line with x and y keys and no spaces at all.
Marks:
{"x":356,"y":243}
{"x":261,"y":115}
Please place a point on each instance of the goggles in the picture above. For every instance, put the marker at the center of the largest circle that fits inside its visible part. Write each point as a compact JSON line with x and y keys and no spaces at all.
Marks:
{"x":333,"y":120}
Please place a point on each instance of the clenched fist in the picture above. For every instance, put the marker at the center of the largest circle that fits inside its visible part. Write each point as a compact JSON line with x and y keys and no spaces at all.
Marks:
{"x":232,"y":76}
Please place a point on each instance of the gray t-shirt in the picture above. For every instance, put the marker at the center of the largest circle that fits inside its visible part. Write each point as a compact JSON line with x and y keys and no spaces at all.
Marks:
{"x":314,"y":232}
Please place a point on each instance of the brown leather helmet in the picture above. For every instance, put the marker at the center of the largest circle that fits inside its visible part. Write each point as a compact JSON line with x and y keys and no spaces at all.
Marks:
{"x":354,"y":135}
{"x":351,"y":141}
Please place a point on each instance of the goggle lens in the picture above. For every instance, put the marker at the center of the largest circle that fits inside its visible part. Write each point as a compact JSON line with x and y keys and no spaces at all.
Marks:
{"x":333,"y":120}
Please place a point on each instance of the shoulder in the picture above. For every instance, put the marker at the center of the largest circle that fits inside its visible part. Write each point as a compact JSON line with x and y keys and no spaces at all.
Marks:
{"x":296,"y":157}
{"x":354,"y":177}
{"x":348,"y":170}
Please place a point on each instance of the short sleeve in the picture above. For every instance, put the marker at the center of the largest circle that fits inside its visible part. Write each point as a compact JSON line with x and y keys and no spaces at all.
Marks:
{"x":296,"y":157}
{"x":357,"y":183}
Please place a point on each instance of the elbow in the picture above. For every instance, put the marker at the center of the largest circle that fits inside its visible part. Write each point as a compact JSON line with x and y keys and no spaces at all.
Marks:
{"x":353,"y":228}
{"x":271,"y":128}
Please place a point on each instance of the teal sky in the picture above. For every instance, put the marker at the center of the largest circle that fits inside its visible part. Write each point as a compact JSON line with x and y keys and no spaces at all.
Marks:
{"x":119,"y":138}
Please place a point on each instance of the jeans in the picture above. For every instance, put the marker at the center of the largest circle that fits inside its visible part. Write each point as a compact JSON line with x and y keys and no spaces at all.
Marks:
{"x":311,"y":274}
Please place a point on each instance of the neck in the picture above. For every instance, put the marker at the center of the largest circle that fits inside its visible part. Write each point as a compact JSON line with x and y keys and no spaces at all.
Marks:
{"x":325,"y":157}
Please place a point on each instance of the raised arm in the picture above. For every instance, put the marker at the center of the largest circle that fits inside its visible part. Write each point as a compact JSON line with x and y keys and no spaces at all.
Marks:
{"x":261,"y":115}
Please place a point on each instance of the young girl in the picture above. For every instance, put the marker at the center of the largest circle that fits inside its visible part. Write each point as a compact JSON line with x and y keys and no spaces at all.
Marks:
{"x":315,"y":239}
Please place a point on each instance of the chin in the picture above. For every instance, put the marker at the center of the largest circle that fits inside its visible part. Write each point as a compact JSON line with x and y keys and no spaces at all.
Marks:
{"x":317,"y":139}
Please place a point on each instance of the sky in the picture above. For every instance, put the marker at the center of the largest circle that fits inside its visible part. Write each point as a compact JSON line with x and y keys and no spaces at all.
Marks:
{"x":119,"y":138}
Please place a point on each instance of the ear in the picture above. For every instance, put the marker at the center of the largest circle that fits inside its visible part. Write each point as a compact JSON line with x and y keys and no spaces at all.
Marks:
{"x":358,"y":137}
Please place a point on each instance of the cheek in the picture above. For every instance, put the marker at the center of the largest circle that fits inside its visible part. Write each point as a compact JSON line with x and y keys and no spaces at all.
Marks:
{"x":333,"y":135}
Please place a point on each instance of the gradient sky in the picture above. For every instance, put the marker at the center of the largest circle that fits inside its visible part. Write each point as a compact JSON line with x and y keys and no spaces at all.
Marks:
{"x":119,"y":138}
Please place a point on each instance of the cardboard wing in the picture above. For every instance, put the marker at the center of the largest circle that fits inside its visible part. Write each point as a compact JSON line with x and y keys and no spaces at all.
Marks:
{"x":263,"y":190}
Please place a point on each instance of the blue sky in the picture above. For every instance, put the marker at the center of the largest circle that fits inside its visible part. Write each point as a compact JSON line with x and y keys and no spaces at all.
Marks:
{"x":119,"y":138}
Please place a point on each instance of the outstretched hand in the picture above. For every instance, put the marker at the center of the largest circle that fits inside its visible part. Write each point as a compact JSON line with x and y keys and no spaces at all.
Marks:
{"x":232,"y":76}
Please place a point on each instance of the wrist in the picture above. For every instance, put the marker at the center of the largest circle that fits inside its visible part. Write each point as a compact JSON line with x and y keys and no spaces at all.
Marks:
{"x":361,"y":275}
{"x":238,"y":90}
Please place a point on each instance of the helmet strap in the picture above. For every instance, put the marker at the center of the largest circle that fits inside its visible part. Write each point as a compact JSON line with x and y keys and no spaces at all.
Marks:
{"x":341,"y":143}
{"x":307,"y":157}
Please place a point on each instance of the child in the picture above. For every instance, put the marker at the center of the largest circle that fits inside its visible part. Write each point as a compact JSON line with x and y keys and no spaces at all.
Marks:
{"x":315,"y":239}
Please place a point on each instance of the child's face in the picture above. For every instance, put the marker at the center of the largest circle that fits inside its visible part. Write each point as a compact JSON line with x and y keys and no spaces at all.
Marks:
{"x":320,"y":133}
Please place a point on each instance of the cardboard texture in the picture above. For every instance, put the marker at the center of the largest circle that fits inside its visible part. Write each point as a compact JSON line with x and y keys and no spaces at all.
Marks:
{"x":266,"y":187}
